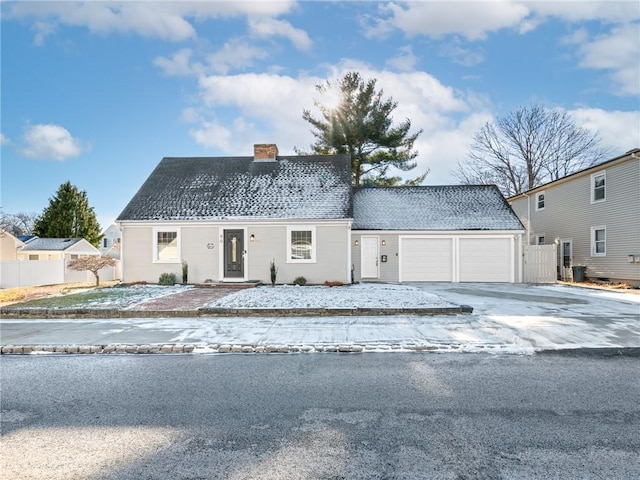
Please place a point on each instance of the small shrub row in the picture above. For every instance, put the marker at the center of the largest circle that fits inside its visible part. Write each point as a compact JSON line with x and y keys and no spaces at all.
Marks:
{"x":167,"y":279}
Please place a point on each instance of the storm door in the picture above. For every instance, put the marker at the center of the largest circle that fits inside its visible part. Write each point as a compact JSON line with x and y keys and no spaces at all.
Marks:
{"x":369,"y":257}
{"x":234,"y":254}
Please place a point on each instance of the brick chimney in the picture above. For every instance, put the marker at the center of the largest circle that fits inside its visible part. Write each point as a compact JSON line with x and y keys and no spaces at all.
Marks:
{"x":265,"y":152}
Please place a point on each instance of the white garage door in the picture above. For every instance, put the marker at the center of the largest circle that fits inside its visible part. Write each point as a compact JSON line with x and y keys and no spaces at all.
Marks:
{"x":426,"y":259}
{"x":485,"y":259}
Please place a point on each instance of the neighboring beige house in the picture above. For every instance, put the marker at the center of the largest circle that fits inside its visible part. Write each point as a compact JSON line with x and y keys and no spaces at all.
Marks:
{"x":593,"y":216}
{"x":229,"y":218}
{"x":110,"y":243}
{"x":9,"y":245}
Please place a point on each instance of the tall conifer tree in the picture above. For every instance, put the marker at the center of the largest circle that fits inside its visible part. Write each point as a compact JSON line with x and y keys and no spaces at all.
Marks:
{"x":69,"y":216}
{"x":360,"y":124}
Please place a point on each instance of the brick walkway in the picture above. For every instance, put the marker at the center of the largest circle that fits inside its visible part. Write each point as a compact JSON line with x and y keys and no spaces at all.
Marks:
{"x":189,"y":300}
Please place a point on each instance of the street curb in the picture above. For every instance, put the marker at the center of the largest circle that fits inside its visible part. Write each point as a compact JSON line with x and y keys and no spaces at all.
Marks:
{"x":16,"y":313}
{"x":213,"y":348}
{"x":595,"y":352}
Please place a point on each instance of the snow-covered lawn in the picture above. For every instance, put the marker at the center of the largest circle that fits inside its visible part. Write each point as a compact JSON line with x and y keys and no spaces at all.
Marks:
{"x":366,"y":295}
{"x":104,"y":298}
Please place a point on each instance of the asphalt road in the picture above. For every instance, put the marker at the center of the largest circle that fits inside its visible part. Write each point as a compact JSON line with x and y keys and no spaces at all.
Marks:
{"x":322,"y":416}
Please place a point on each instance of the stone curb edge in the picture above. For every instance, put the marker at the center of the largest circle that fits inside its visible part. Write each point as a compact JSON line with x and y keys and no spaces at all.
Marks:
{"x":228,"y":312}
{"x":237,"y":348}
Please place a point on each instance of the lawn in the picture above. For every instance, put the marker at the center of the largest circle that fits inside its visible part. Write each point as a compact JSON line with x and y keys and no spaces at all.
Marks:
{"x":106,"y":297}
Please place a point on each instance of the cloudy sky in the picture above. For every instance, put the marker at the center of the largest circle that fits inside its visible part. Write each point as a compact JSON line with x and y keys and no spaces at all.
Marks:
{"x":98,"y":92}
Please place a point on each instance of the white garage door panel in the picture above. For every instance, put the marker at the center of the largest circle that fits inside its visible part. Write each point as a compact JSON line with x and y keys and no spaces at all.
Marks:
{"x":426,"y":259}
{"x":485,"y":259}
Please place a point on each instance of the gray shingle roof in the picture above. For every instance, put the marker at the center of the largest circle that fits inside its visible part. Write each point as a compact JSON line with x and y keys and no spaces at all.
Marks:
{"x":214,"y":188}
{"x":50,"y":244}
{"x":451,"y":207}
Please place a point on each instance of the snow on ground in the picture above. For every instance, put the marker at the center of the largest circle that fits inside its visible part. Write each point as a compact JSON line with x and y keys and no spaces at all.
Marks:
{"x":627,"y":296}
{"x":367,"y":295}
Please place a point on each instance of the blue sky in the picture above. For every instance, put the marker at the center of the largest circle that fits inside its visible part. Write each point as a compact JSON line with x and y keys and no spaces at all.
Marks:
{"x":98,"y":92}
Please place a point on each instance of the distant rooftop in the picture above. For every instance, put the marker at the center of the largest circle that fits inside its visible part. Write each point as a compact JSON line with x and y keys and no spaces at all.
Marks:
{"x":450,"y":207}
{"x":50,"y":244}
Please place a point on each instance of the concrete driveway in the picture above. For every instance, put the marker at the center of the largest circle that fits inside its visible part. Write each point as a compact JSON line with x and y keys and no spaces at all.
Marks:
{"x":549,"y":316}
{"x":507,"y":318}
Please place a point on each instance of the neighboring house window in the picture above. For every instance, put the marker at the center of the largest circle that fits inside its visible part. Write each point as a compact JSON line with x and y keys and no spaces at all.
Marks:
{"x":105,"y":243}
{"x":301,"y":244}
{"x":166,"y":246}
{"x":540,"y":239}
{"x":34,"y":257}
{"x":598,"y":187}
{"x":540,"y":201}
{"x":598,"y":241}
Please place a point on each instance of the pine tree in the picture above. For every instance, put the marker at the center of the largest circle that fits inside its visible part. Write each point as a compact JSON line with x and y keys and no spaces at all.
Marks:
{"x":69,"y":216}
{"x":361,"y":125}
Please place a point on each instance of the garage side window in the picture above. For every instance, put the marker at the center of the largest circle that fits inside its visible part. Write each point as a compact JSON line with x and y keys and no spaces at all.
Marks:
{"x":301,"y":244}
{"x":166,"y":246}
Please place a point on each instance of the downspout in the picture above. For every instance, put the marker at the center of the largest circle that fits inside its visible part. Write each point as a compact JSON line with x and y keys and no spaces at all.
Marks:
{"x":527,"y":233}
{"x":528,"y":219}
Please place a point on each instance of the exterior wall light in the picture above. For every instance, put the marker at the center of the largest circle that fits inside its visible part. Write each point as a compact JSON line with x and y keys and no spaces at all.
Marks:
{"x":356,"y":242}
{"x":384,"y":243}
{"x":252,"y":238}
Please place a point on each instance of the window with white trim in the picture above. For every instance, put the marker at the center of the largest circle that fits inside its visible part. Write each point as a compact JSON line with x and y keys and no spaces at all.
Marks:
{"x":598,"y":187}
{"x":301,"y":244}
{"x":539,"y":201}
{"x":540,"y":240}
{"x":166,"y":245}
{"x":34,"y":256}
{"x":598,"y":241}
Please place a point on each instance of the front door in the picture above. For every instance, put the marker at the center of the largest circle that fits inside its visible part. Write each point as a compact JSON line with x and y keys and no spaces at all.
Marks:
{"x":234,"y":254}
{"x":369,"y":257}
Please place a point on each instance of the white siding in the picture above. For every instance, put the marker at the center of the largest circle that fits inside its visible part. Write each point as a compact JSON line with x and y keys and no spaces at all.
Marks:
{"x":201,"y":247}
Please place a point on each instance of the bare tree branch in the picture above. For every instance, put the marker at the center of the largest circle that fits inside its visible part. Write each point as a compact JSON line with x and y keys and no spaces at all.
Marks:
{"x":527,"y":148}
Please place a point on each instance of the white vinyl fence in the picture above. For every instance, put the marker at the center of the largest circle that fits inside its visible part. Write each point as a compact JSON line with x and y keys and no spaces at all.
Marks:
{"x":540,"y":263}
{"x":26,"y":273}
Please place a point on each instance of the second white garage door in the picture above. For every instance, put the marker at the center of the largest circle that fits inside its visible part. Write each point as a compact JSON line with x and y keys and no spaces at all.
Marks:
{"x":485,"y":260}
{"x":456,"y":259}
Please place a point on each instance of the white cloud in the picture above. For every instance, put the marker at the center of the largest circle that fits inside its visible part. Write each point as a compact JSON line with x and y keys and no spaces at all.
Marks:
{"x":179,"y":64}
{"x":618,"y":51}
{"x":4,"y":140}
{"x":165,"y":20}
{"x":618,"y":130}
{"x":271,"y":27}
{"x":474,"y":20}
{"x":405,"y":61}
{"x":580,"y":10}
{"x":50,"y":142}
{"x":234,"y":55}
{"x":461,"y":55}
{"x":226,"y":138}
{"x":437,"y":19}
